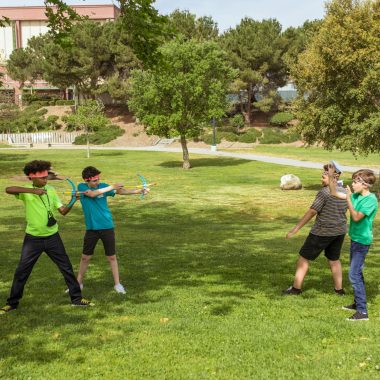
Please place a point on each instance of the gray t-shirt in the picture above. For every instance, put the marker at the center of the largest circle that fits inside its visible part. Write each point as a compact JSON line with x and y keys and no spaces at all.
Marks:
{"x":331,"y":218}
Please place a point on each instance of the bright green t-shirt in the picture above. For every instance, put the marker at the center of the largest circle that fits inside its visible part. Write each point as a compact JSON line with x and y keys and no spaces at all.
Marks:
{"x":36,"y":211}
{"x":361,"y":231}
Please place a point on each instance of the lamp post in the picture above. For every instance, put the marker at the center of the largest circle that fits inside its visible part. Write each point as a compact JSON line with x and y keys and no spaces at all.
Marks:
{"x":213,"y":146}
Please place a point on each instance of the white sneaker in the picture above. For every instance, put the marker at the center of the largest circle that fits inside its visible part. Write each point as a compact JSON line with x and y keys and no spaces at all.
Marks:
{"x":81,"y":288}
{"x":119,"y":289}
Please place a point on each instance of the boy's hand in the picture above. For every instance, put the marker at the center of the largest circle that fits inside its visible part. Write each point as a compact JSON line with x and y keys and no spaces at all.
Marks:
{"x":331,"y":170}
{"x":291,"y":233}
{"x":145,"y":191}
{"x":117,"y":186}
{"x":39,"y":191}
{"x":349,"y":192}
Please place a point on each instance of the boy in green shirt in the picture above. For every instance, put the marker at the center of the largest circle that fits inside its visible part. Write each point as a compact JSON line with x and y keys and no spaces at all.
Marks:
{"x":363,"y":206}
{"x":41,"y":202}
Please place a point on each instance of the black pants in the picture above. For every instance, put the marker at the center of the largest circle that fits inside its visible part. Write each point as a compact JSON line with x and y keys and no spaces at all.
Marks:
{"x":32,"y":249}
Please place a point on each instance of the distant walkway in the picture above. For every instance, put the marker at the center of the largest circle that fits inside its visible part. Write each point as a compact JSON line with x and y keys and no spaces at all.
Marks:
{"x":244,"y":156}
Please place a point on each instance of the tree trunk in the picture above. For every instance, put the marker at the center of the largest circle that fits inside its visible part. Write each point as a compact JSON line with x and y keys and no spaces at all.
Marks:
{"x":185,"y":153}
{"x":249,"y":104}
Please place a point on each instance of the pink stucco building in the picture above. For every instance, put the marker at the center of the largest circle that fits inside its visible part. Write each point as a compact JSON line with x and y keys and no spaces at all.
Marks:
{"x":27,"y":22}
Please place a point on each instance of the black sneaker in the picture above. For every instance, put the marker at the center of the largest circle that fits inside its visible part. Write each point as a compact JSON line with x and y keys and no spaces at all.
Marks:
{"x":292,"y":291}
{"x":340,"y":292}
{"x":6,"y":309}
{"x":83,"y":303}
{"x":358,"y":316}
{"x":349,"y":307}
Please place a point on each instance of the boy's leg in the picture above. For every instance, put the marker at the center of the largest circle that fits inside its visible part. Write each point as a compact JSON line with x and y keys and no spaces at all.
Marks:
{"x":90,"y":240}
{"x":358,"y":253}
{"x":83,"y":265}
{"x":301,"y":271}
{"x":55,"y":249}
{"x":108,"y":240}
{"x":332,"y":253}
{"x":114,"y":268}
{"x":336,"y":270}
{"x":31,"y":250}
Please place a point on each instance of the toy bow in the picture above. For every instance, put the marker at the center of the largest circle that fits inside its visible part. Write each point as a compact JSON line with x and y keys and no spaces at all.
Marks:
{"x":73,"y":192}
{"x":144,"y":185}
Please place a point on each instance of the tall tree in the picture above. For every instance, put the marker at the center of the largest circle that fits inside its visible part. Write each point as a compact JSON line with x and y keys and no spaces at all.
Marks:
{"x":186,"y":25}
{"x":338,"y":79}
{"x":255,"y":49}
{"x":295,"y":40}
{"x":183,"y":92}
{"x":61,"y":18}
{"x":92,"y":54}
{"x":21,"y":66}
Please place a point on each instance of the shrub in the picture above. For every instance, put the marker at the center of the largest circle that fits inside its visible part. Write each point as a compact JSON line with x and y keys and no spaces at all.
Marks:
{"x":102,"y":136}
{"x":227,"y":128}
{"x":281,"y":119}
{"x":273,"y":136}
{"x":250,"y":136}
{"x":228,"y":136}
{"x":207,"y":138}
{"x":61,"y":102}
{"x":237,"y":121}
{"x":292,"y":135}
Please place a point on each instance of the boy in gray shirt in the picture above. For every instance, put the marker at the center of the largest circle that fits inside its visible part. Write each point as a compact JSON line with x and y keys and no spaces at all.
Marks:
{"x":327,"y":234}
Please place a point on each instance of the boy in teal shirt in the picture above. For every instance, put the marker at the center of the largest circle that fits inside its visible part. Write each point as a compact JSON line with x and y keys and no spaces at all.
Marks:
{"x":363,"y":206}
{"x":98,"y":220}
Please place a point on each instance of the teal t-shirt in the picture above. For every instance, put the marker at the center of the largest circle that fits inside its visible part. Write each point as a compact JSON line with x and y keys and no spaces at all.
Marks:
{"x":36,"y":211}
{"x":361,"y":231}
{"x":97,"y":215}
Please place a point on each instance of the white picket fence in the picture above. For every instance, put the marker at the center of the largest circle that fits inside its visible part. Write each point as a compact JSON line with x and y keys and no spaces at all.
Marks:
{"x":39,"y":138}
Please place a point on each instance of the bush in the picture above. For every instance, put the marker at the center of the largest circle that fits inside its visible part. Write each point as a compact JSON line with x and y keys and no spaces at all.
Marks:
{"x":207,"y":138}
{"x":250,"y":136}
{"x":61,"y":102}
{"x":102,"y":136}
{"x":237,"y":121}
{"x":227,"y":128}
{"x":273,"y":136}
{"x":292,"y":135}
{"x":228,"y":136}
{"x":281,"y":119}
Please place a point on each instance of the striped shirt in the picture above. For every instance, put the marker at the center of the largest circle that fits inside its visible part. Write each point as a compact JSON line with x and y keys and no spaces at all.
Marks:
{"x":331,"y":214}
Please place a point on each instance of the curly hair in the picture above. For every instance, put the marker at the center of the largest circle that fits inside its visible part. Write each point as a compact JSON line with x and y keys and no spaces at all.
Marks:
{"x":36,"y":166}
{"x":90,"y":171}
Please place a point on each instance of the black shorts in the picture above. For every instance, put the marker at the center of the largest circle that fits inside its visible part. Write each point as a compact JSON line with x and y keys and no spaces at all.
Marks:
{"x":314,"y":245}
{"x":106,"y":236}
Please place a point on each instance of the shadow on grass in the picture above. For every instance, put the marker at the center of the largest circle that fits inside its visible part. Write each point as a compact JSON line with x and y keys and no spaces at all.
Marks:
{"x":205,"y":162}
{"x":11,"y":164}
{"x":168,"y":249}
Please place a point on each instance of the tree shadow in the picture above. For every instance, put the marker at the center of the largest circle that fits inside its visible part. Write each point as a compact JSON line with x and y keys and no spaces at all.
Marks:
{"x":206,"y":162}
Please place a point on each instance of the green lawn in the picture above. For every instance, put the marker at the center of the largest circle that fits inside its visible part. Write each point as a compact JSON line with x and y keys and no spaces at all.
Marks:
{"x":204,"y":260}
{"x":314,"y":154}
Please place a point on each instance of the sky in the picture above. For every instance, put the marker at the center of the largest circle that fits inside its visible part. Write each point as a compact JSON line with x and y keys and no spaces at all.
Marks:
{"x":227,"y":13}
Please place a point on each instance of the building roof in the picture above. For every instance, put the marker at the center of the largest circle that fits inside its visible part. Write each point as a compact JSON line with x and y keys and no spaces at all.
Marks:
{"x":37,"y":13}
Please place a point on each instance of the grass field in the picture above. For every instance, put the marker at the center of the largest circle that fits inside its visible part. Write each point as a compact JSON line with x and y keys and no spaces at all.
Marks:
{"x":314,"y":154}
{"x":204,"y":260}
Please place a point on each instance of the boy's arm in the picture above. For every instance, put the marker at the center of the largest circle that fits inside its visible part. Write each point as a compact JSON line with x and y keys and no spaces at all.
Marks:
{"x":332,"y":185}
{"x":18,"y":189}
{"x":133,"y":191}
{"x":305,"y":219}
{"x":355,"y":215}
{"x":63,"y":210}
{"x":95,"y":193}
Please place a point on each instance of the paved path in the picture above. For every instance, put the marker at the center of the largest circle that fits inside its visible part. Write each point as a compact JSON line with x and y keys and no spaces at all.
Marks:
{"x":244,"y":156}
